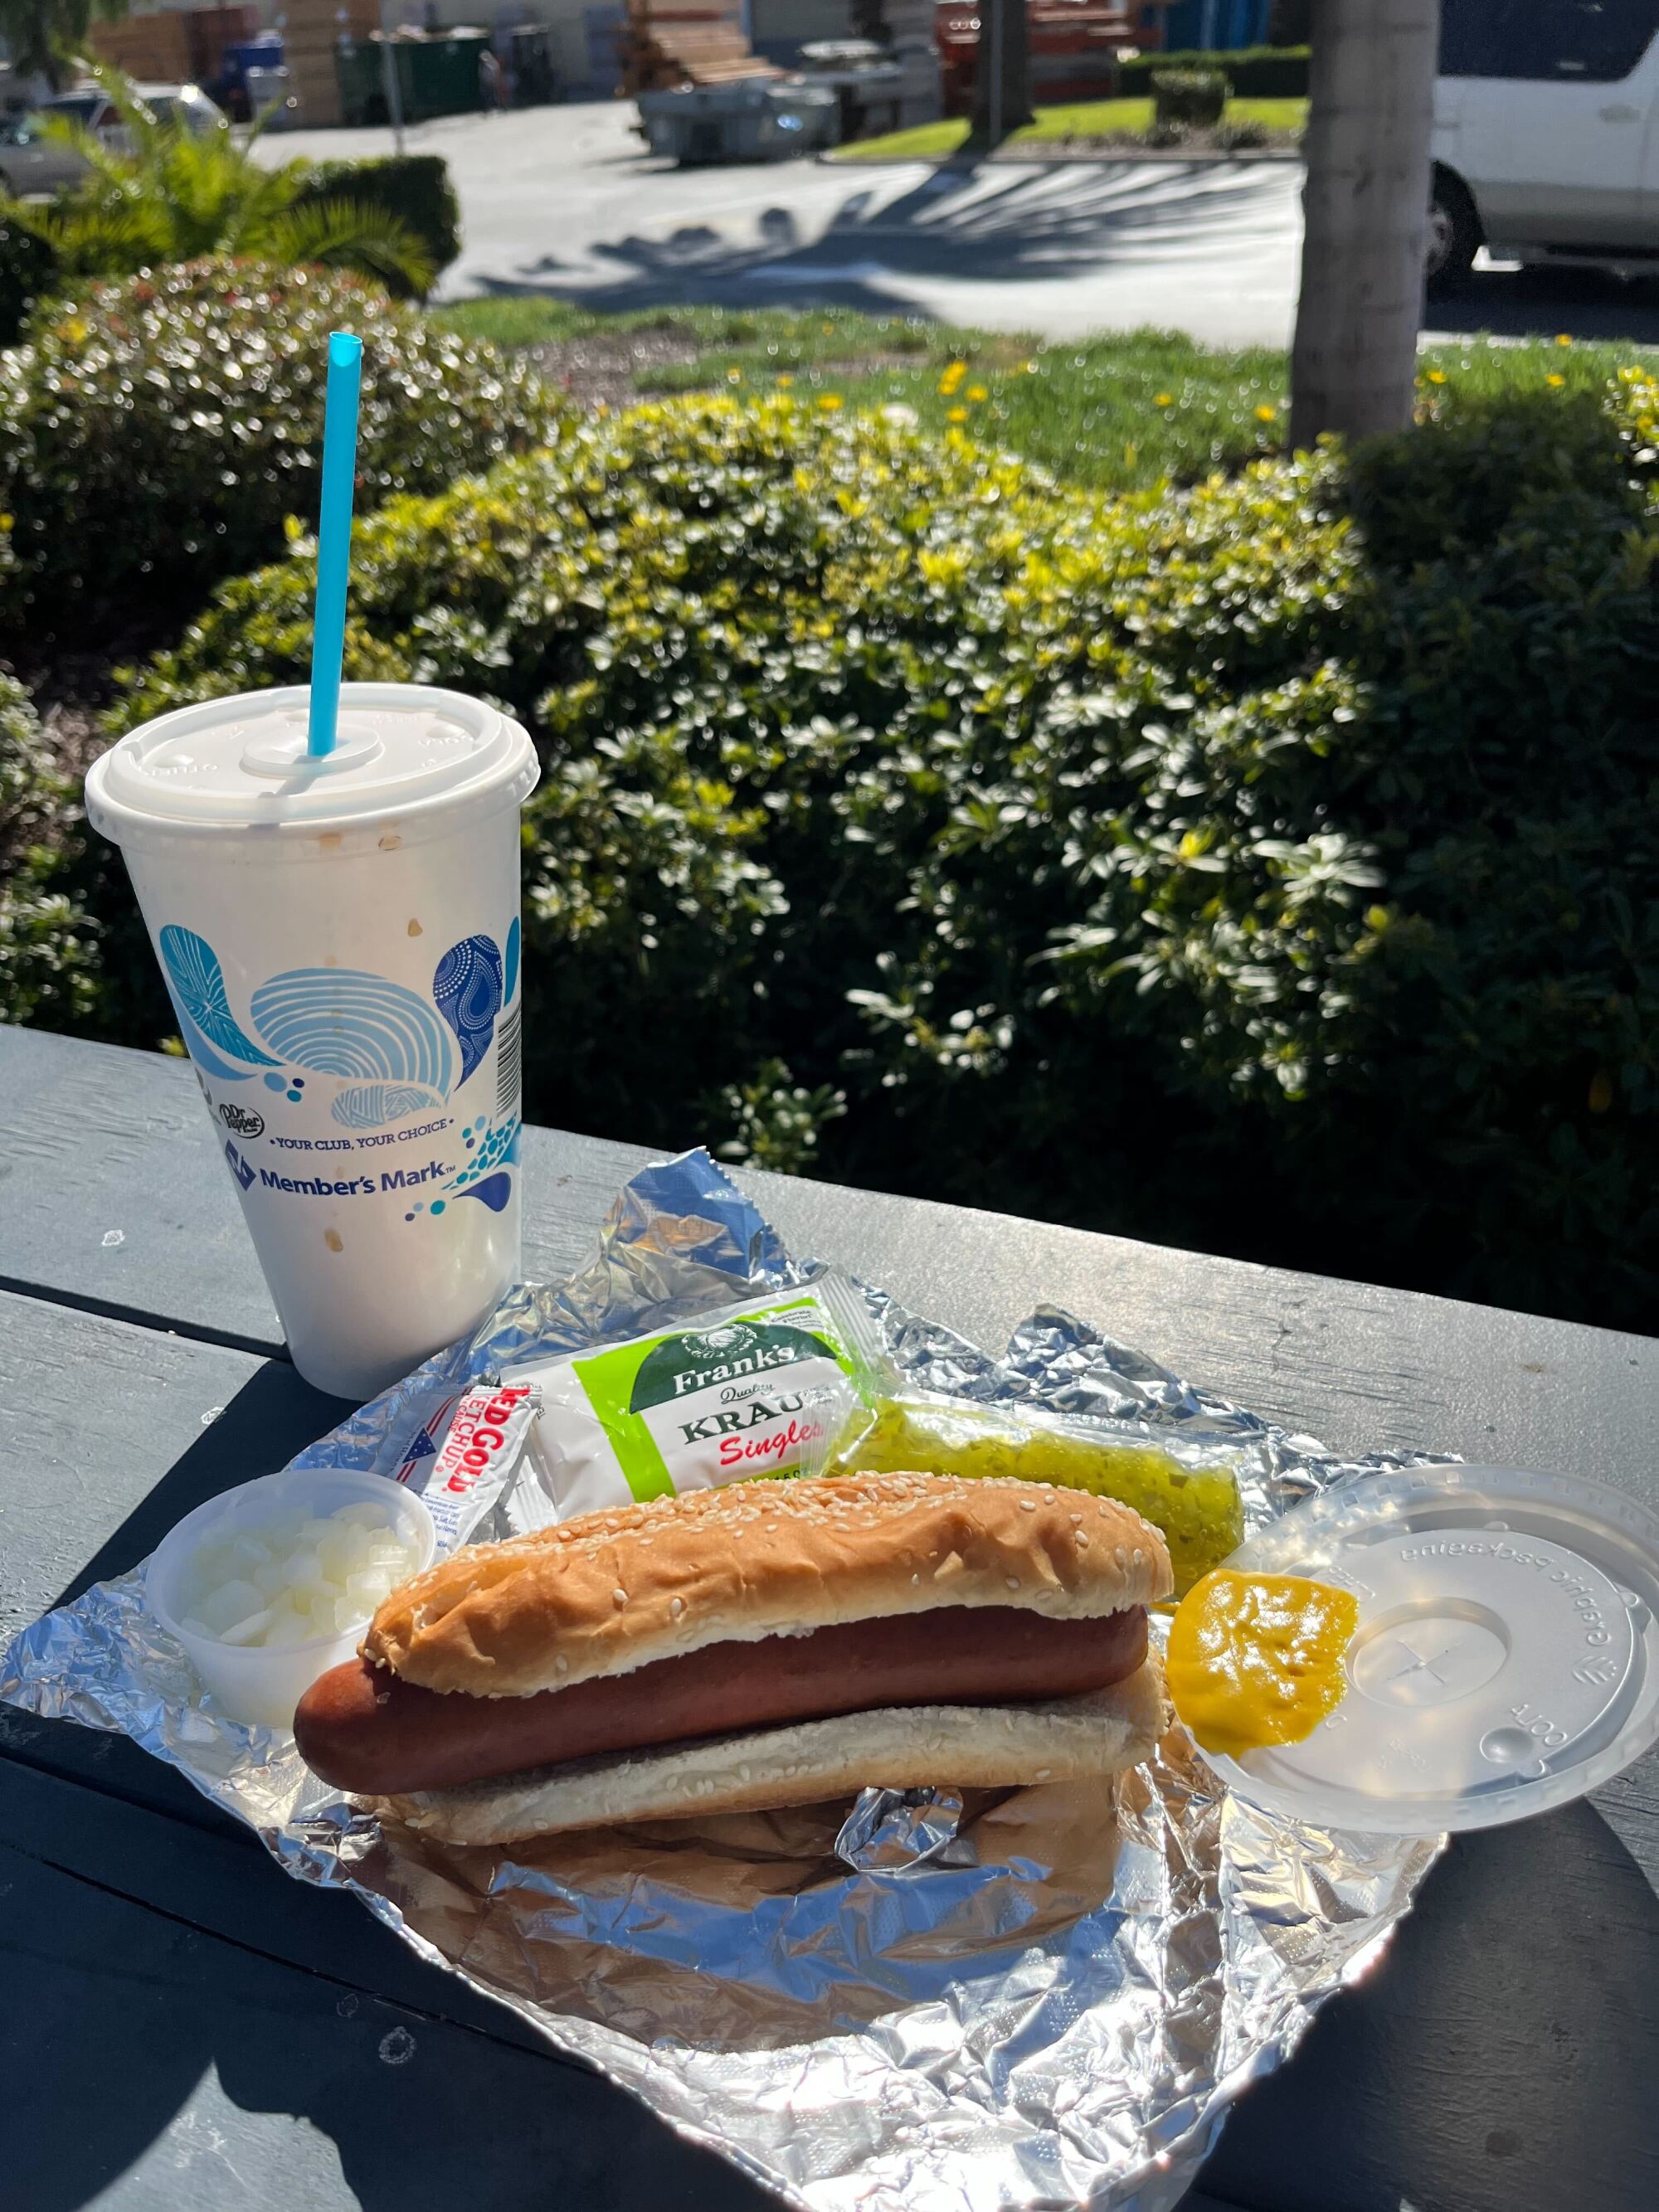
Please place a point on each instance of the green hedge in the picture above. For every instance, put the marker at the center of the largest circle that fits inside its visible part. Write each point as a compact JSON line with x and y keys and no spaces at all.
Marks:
{"x":1194,"y":98}
{"x":50,"y":970}
{"x":414,"y":187}
{"x":1254,"y":72}
{"x":155,"y":434}
{"x":1272,"y":868}
{"x":27,"y":268}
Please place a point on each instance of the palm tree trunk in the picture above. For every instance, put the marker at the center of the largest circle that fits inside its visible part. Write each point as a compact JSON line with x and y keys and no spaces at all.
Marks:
{"x":1002,"y":80}
{"x":1370,"y":110}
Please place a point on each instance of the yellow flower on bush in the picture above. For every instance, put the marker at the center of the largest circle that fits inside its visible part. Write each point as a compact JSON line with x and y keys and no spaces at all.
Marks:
{"x":1265,"y":414}
{"x":957,"y":415}
{"x":1563,"y":337}
{"x":1435,"y":376}
{"x":829,"y":401}
{"x":734,"y":376}
{"x":785,"y":381}
{"x":977,"y":392}
{"x":1553,"y":379}
{"x":1164,"y":399}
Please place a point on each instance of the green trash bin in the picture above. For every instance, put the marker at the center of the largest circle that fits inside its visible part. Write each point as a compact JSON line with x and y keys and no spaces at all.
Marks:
{"x":357,"y":70}
{"x":436,"y":76}
{"x":442,"y":74}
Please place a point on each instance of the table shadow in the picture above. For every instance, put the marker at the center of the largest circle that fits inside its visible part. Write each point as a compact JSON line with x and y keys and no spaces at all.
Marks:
{"x":1505,"y":2041}
{"x":273,"y":1416}
{"x":144,"y":2049}
{"x":154,"y":2068}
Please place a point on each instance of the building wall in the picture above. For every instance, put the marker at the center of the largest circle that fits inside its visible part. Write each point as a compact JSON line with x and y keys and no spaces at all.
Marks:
{"x":572,"y":47}
{"x":777,"y":28}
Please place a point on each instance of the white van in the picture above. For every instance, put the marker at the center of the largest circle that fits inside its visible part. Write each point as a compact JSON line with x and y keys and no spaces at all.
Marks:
{"x":1546,"y":133}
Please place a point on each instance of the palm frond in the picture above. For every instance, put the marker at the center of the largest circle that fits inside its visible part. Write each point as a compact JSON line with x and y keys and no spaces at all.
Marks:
{"x":142,"y":122}
{"x":343,"y":234}
{"x":94,"y":237}
{"x":167,"y":196}
{"x":23,"y":215}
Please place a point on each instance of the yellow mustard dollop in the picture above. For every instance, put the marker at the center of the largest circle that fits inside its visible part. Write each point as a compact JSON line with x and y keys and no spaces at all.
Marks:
{"x":1257,"y":1659}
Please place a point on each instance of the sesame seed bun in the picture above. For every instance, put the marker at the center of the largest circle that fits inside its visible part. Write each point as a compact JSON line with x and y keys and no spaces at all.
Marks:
{"x":615,"y":1591}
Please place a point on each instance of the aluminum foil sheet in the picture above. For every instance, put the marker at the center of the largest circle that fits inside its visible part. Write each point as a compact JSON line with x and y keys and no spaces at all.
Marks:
{"x":1026,"y":2000}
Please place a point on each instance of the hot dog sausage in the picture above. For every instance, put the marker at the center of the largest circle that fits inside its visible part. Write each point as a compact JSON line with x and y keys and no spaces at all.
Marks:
{"x":361,"y":1729}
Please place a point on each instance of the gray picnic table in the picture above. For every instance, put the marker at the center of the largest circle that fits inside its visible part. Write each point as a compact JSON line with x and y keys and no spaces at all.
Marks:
{"x":186,"y":2027}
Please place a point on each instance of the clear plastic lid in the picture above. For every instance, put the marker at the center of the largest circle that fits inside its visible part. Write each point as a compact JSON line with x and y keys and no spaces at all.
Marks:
{"x":1506,"y":1658}
{"x":240,"y":764}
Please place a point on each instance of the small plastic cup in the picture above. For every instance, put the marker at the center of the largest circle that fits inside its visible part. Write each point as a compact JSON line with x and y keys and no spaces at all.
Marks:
{"x":257,"y":1684}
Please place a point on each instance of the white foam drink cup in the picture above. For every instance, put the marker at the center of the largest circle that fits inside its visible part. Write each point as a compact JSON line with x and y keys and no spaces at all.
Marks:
{"x":340,"y":939}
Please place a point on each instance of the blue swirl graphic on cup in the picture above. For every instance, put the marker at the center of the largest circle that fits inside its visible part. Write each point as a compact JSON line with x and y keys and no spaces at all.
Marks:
{"x":393,"y":1053}
{"x":343,"y":1021}
{"x":195,"y":984}
{"x":467,"y":986}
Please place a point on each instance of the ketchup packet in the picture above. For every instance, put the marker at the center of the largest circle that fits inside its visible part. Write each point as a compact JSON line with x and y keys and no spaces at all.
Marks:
{"x":464,"y":1456}
{"x":749,"y":1390}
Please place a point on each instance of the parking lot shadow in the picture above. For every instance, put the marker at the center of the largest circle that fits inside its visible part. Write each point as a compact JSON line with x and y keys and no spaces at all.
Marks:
{"x":1525,"y":303}
{"x":988,"y":223}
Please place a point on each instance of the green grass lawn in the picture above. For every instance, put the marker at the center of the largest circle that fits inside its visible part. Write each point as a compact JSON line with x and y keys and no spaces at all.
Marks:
{"x":1089,"y":119}
{"x":1118,"y":411}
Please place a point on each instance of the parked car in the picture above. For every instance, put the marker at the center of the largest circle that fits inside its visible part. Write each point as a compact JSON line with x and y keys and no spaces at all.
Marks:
{"x":1546,"y":133}
{"x":30,"y":160}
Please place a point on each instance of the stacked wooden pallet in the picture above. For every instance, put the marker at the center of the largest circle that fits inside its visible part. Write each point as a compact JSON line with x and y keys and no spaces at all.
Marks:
{"x":176,"y":47}
{"x":666,"y":43}
{"x":151,"y":49}
{"x":312,"y":31}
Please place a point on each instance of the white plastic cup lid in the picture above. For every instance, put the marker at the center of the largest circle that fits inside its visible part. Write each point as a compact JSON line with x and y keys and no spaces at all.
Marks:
{"x":240,"y":764}
{"x":1506,"y":1658}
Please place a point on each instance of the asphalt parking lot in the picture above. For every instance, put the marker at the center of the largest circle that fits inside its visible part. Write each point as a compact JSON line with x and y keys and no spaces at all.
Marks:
{"x":566,"y":200}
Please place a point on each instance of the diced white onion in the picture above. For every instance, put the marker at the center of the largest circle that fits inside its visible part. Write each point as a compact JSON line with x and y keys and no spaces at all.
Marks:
{"x":295,"y":1579}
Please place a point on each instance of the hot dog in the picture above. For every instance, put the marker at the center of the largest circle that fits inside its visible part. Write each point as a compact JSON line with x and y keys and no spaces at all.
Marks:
{"x":765,"y":1644}
{"x":363,"y":1730}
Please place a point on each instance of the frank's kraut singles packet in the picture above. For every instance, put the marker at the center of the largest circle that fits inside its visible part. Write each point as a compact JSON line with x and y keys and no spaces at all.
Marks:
{"x":461,"y":1461}
{"x":748,"y":1389}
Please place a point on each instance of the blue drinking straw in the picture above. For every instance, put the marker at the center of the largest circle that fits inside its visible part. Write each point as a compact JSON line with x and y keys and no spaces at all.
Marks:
{"x":345,"y":376}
